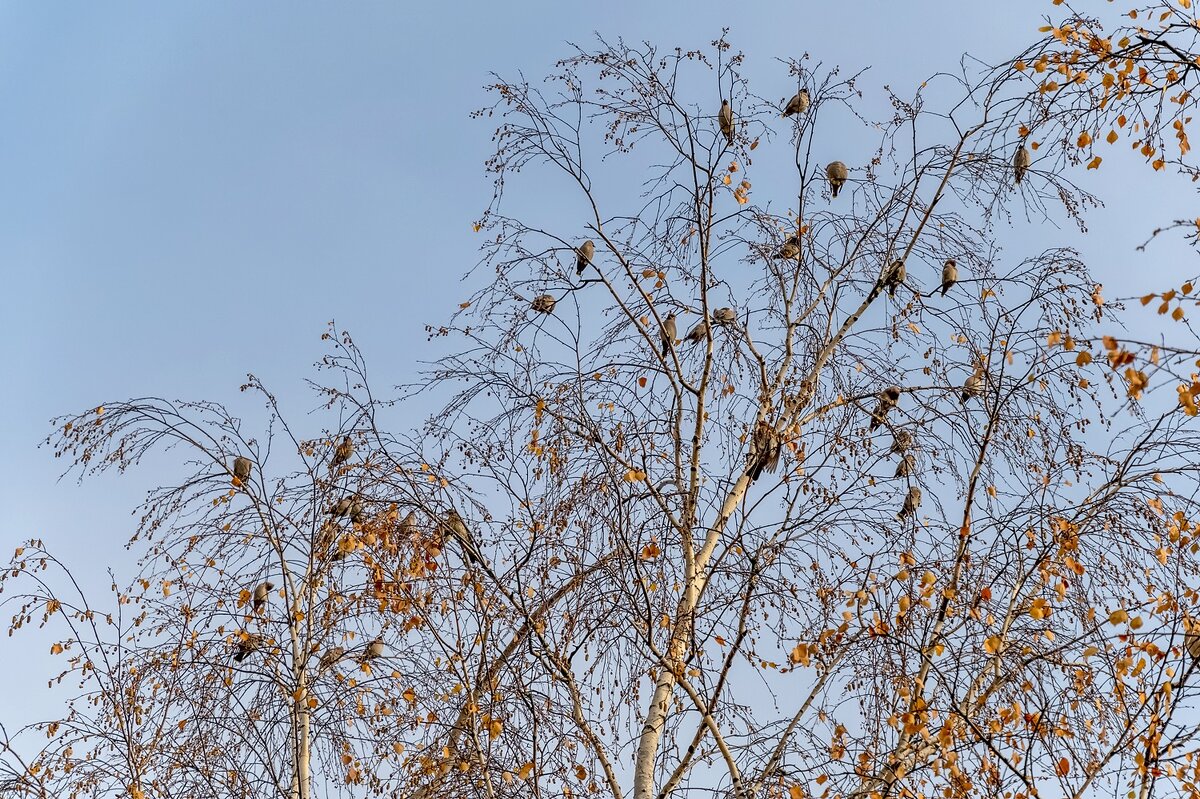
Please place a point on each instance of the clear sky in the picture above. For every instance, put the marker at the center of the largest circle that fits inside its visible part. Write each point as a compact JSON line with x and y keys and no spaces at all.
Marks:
{"x":190,"y":190}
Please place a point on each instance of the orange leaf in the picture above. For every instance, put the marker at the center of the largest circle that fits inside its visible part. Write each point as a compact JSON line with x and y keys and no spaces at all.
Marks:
{"x":1064,"y":767}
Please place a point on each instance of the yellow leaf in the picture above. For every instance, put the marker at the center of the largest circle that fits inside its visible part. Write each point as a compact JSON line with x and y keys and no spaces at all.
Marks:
{"x":795,"y":792}
{"x":525,"y":771}
{"x":1112,"y":137}
{"x":57,"y":649}
{"x":1095,"y":163}
{"x":580,"y":773}
{"x":992,"y":644}
{"x":1084,"y":140}
{"x":1118,"y":617}
{"x":634,"y":476}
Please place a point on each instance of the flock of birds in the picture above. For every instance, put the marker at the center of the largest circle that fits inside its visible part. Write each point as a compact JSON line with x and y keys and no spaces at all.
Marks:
{"x":766,"y":441}
{"x":326,"y":546}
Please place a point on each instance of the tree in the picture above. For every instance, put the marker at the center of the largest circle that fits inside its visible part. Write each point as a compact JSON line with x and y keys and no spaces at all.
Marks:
{"x":642,"y":564}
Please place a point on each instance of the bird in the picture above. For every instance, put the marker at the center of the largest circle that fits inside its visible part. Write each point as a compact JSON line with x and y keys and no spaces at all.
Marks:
{"x":372,"y":650}
{"x":887,"y":400}
{"x":893,"y":276}
{"x":325,"y":538}
{"x":247,"y":645}
{"x":726,"y":120}
{"x":342,"y":453}
{"x":765,"y":447}
{"x":356,"y":510}
{"x":973,"y":386}
{"x":409,"y":525}
{"x":837,"y":174}
{"x":698,"y":333}
{"x":790,"y":248}
{"x":543,"y":304}
{"x":1021,"y":161}
{"x":912,"y":501}
{"x":949,"y":275}
{"x":241,"y":468}
{"x":902,"y":442}
{"x":668,"y":333}
{"x":457,"y":529}
{"x":1191,"y":639}
{"x":906,"y":465}
{"x":330,"y":657}
{"x":798,"y":104}
{"x":724,"y":316}
{"x":342,"y":507}
{"x":260,"y":595}
{"x":583,"y":256}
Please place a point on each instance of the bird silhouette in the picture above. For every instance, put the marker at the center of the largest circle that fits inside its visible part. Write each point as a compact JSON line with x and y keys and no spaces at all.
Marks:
{"x":241,"y":468}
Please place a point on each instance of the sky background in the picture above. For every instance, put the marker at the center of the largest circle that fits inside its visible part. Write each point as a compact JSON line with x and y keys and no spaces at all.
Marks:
{"x":191,"y":190}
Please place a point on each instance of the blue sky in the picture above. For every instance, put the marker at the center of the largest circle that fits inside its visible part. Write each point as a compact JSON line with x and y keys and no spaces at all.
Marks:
{"x":191,"y":190}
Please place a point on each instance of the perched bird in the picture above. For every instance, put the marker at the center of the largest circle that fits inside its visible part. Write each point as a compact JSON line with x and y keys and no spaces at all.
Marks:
{"x":790,"y":248}
{"x":887,"y":400}
{"x":837,"y":174}
{"x":973,"y":386}
{"x":260,"y":595}
{"x":906,"y":466}
{"x":912,"y":501}
{"x":949,"y":275}
{"x":1021,"y":161}
{"x":798,"y":104}
{"x":902,"y":442}
{"x":408,"y":527}
{"x":342,"y":453}
{"x":724,"y":316}
{"x":331,"y":657}
{"x":893,"y":276}
{"x":326,"y":537}
{"x":543,"y":303}
{"x":241,"y":468}
{"x":726,"y":120}
{"x":342,"y":507}
{"x":373,"y":650}
{"x":356,"y":510}
{"x":1191,"y":639}
{"x":765,"y":447}
{"x":583,"y":256}
{"x":668,"y":333}
{"x":246,"y":646}
{"x":698,"y":333}
{"x":456,"y":528}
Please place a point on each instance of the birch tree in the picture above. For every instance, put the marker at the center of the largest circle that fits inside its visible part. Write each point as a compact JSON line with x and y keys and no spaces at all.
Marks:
{"x":735,"y":500}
